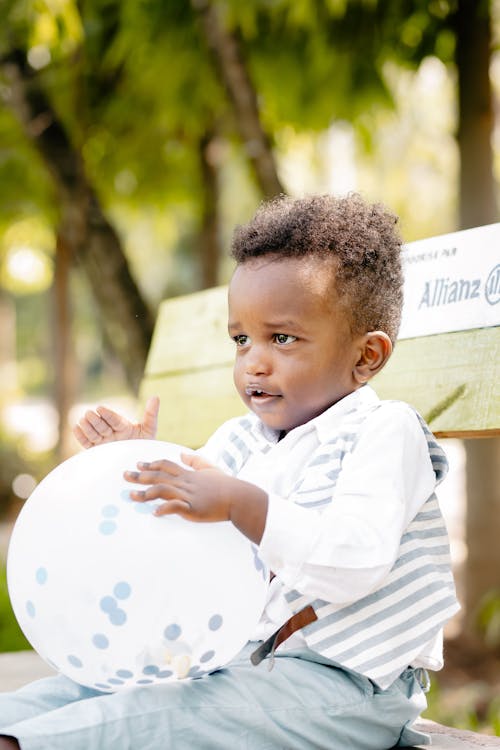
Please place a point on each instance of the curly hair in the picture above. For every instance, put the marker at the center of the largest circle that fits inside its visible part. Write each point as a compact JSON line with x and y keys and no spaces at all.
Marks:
{"x":361,"y":237}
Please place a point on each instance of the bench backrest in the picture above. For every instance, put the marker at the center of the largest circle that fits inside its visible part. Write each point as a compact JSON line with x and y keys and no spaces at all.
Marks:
{"x":445,"y":363}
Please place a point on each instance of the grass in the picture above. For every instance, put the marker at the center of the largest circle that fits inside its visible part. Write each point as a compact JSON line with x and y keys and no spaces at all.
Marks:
{"x":473,"y":705}
{"x":11,"y":635}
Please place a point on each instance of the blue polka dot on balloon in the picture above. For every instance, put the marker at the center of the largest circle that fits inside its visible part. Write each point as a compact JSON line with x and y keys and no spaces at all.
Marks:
{"x":144,"y":508}
{"x":122,"y":590}
{"x":100,"y":641}
{"x":215,"y":622}
{"x":107,"y":604}
{"x":125,"y":496}
{"x":172,"y":632}
{"x":115,"y":681}
{"x":30,"y":608}
{"x":207,"y":656}
{"x":107,"y":527}
{"x":124,"y":673}
{"x":118,"y":617}
{"x":41,"y":576}
{"x":151,"y":669}
{"x":165,"y":673}
{"x":75,"y":661}
{"x":144,"y":682}
{"x":110,"y":511}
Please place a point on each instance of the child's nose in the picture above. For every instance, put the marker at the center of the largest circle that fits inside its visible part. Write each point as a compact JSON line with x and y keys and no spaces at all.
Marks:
{"x":257,"y":361}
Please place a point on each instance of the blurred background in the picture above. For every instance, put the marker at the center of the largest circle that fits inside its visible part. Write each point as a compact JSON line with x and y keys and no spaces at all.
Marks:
{"x":134,"y":135}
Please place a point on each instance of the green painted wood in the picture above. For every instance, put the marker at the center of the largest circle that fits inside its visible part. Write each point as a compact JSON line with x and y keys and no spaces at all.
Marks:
{"x":190,"y":367}
{"x":191,"y":333}
{"x":452,"y":379}
{"x":193,"y":404}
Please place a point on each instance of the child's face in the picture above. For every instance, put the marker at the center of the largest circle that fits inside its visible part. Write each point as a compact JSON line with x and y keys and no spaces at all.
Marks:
{"x":295,"y":354}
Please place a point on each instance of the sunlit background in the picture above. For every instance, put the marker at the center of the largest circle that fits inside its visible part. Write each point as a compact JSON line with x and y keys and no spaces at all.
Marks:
{"x":148,"y":117}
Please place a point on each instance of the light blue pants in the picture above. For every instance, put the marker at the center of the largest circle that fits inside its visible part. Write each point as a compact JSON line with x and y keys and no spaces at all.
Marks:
{"x":302,"y":703}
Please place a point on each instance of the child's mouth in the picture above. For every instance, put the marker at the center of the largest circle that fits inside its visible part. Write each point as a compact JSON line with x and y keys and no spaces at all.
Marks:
{"x":259,"y":394}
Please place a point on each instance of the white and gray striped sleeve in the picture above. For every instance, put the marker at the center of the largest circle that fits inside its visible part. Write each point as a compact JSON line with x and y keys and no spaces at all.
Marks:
{"x":340,"y":551}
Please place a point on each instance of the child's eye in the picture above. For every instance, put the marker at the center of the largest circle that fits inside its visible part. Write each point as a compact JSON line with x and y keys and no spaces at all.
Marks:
{"x":284,"y":338}
{"x":241,"y":339}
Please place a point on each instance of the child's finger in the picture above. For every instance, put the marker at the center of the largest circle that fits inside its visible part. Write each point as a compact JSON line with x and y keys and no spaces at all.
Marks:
{"x":196,"y":462}
{"x":150,"y":420}
{"x":142,"y":477}
{"x":81,"y":437}
{"x":181,"y":507}
{"x":148,"y":477}
{"x":88,"y":429}
{"x":100,"y":425}
{"x":156,"y":492}
{"x":111,"y":418}
{"x":170,"y":467}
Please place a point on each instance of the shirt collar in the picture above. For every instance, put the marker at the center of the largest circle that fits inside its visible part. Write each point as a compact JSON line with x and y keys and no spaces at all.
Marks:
{"x":325,"y":422}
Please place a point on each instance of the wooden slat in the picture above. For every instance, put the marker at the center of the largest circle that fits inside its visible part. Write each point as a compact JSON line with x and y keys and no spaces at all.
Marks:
{"x":191,"y":333}
{"x":452,"y":379}
{"x":193,"y":404}
{"x":190,"y":367}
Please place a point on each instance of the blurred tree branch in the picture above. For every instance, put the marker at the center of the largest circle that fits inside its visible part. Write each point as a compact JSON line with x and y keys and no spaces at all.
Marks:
{"x":229,"y":60}
{"x":83,"y":226}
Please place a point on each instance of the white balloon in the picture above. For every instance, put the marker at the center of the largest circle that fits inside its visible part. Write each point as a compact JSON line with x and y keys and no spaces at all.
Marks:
{"x":113,"y":596}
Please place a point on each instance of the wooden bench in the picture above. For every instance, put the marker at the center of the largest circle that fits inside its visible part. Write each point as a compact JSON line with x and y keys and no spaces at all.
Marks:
{"x":451,"y":376}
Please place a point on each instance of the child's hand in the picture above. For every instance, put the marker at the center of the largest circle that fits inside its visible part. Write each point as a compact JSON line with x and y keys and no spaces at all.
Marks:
{"x":204,"y":494}
{"x":199,"y":495}
{"x":104,"y":425}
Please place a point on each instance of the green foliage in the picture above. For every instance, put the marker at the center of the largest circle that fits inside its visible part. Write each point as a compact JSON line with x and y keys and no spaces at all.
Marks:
{"x":136,"y":85}
{"x":132,"y":85}
{"x":488,"y":619}
{"x":11,"y":635}
{"x":16,"y":457}
{"x":316,"y":62}
{"x":26,"y":256}
{"x":25,"y":185}
{"x":11,"y":464}
{"x":474,"y":706}
{"x":494,"y":716}
{"x":151,"y":94}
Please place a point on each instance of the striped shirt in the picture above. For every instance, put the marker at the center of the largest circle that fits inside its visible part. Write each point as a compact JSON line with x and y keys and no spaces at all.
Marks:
{"x":353,"y":528}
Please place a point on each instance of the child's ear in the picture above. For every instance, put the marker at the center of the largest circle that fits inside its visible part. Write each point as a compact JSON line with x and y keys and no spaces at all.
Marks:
{"x":376,"y":348}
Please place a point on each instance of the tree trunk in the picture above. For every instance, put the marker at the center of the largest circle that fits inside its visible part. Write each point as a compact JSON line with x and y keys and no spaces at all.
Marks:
{"x":84,"y":228}
{"x":476,"y":118}
{"x":482,"y":571}
{"x":233,"y":73}
{"x":209,"y":242}
{"x":64,"y":359}
{"x":127,"y":322}
{"x":477,"y":207}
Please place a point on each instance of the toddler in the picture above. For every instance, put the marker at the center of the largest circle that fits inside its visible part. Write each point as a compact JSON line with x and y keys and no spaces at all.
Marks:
{"x":335,"y":487}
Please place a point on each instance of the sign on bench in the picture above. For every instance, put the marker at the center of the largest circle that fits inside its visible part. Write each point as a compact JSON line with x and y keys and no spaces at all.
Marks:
{"x":452,"y":283}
